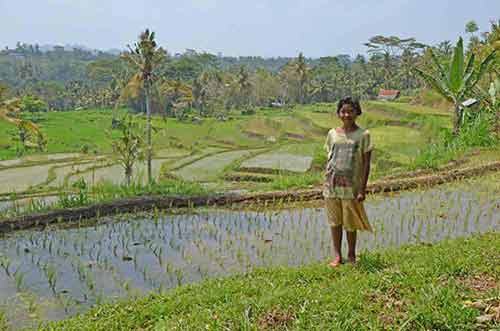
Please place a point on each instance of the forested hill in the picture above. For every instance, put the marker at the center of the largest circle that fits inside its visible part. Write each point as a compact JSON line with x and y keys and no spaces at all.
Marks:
{"x":61,"y":64}
{"x":69,"y":79}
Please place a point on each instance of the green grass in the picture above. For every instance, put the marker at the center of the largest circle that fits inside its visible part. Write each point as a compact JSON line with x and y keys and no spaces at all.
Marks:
{"x":431,"y":98}
{"x":474,"y":134}
{"x":425,"y":287}
{"x":71,"y":131}
{"x":282,"y":182}
{"x":78,"y":130}
{"x":82,"y":194}
{"x":406,"y":137}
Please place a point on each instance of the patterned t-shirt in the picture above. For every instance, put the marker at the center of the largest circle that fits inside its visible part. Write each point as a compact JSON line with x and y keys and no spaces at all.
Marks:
{"x":345,"y":162}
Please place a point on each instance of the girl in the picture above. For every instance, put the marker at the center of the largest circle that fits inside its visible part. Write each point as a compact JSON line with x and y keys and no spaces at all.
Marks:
{"x":348,"y":167}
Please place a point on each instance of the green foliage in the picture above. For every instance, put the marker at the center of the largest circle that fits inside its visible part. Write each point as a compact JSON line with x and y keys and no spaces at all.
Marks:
{"x":431,"y":98}
{"x":33,"y":104}
{"x":129,"y":146}
{"x":415,"y":288}
{"x":85,"y":195}
{"x":476,"y":133}
{"x":286,"y":181}
{"x":319,"y":158}
{"x":144,"y":60}
{"x":471,"y":27}
{"x":106,"y":191}
{"x":3,"y":322}
{"x":457,"y":79}
{"x":78,"y":199}
{"x":248,"y":111}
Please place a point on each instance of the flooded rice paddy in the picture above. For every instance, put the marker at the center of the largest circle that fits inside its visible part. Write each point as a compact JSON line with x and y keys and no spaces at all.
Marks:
{"x":210,"y":167}
{"x":22,"y":179}
{"x":115,"y":173}
{"x":56,"y":272}
{"x":279,"y":162}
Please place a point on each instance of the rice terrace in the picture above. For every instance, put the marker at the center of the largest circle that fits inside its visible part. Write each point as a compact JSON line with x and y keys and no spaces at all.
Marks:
{"x":147,"y":189}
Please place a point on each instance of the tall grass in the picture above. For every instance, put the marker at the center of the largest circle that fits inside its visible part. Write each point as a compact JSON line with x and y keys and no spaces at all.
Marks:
{"x":108,"y":191}
{"x":286,"y":181}
{"x":82,"y":194}
{"x":476,"y":133}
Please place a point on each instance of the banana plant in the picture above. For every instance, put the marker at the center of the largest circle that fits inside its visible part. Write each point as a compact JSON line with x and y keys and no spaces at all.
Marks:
{"x":455,"y":80}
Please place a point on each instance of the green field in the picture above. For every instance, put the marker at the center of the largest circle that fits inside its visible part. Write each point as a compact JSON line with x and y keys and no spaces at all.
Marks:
{"x":71,"y":131}
{"x":212,"y":150}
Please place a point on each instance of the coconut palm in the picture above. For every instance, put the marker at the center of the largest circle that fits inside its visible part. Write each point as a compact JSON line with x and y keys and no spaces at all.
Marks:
{"x":302,"y":71}
{"x":454,"y":81}
{"x":243,"y":86}
{"x":321,"y":89}
{"x":145,"y":59}
{"x":177,"y":93}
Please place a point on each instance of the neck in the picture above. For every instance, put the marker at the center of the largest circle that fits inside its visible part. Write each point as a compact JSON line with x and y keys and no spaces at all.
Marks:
{"x":349,"y":127}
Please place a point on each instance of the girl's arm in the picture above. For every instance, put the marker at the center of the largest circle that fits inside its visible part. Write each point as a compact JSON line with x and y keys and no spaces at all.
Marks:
{"x":366,"y":173}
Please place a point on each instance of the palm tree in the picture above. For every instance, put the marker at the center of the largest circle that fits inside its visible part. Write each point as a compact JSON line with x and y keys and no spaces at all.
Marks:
{"x":321,"y":89}
{"x":302,"y":71}
{"x":177,"y":93}
{"x":454,"y":81}
{"x":244,"y":87}
{"x":445,"y":48}
{"x":145,"y":58}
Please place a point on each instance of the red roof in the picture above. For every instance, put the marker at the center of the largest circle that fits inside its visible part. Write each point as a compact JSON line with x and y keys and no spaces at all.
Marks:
{"x":388,"y":92}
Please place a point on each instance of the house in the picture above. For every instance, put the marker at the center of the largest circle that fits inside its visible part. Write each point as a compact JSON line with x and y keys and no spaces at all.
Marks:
{"x":388,"y":94}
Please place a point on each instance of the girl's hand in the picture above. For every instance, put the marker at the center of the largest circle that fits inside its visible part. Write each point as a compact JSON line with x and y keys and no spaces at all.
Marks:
{"x":360,"y":197}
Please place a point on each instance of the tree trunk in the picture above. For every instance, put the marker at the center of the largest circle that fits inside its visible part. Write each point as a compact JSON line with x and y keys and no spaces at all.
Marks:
{"x":22,"y":136}
{"x":457,"y":119}
{"x":128,"y":173}
{"x":149,"y":153}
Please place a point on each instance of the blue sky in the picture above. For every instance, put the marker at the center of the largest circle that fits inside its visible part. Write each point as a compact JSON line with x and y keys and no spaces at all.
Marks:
{"x":234,"y":27}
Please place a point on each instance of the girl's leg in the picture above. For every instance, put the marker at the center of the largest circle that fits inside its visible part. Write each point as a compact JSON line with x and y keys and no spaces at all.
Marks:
{"x":337,"y":243}
{"x":351,"y":243}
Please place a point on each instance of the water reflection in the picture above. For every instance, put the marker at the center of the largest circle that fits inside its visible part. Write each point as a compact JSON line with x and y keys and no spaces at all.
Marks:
{"x":57,"y":272}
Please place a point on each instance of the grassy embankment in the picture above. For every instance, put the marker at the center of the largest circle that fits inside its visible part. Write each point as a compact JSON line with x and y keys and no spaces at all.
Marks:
{"x":453,"y":285}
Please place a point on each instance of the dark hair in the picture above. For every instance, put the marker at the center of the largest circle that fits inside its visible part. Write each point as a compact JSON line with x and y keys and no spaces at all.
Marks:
{"x":354,"y":103}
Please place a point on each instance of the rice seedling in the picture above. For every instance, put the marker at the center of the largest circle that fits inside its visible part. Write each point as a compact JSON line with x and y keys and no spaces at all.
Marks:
{"x":51,"y":274}
{"x":19,"y":279}
{"x":175,"y":248}
{"x":5,"y":264}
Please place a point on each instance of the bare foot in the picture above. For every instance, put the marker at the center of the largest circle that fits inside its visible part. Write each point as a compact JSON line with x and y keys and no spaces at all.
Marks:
{"x":335,"y":263}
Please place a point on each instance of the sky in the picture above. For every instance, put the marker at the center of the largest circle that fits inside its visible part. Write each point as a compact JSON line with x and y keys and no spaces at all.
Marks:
{"x":240,"y":27}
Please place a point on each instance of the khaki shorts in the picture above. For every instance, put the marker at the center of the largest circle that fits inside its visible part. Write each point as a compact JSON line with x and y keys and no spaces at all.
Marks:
{"x":348,"y":213}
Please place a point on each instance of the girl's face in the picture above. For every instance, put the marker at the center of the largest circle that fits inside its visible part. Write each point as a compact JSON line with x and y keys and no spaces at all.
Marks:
{"x":347,"y":115}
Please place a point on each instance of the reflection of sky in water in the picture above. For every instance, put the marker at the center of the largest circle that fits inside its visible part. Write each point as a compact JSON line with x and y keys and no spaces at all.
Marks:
{"x":123,"y":257}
